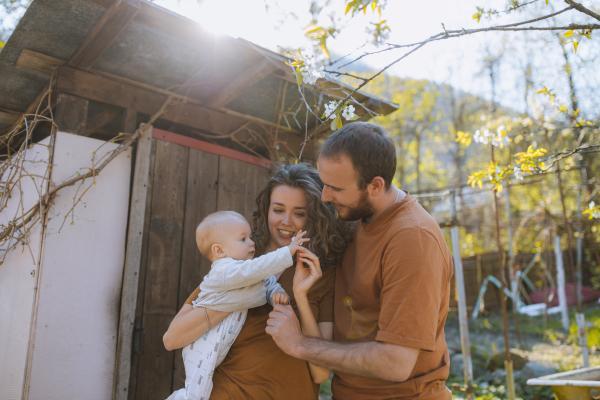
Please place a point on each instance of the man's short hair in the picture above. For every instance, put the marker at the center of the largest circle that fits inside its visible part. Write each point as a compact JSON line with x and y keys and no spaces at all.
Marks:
{"x":368,"y":146}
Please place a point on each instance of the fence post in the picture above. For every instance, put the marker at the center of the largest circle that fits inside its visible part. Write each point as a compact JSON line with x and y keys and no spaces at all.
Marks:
{"x":465,"y":343}
{"x":560,"y":277}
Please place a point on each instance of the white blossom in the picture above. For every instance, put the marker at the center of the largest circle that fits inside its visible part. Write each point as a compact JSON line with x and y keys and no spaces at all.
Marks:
{"x":595,"y":214}
{"x":330,"y":108}
{"x":348,"y":113}
{"x":312,"y":68}
{"x":518,"y":173}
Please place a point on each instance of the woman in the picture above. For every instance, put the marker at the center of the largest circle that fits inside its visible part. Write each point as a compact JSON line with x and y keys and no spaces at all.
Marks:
{"x":255,"y":368}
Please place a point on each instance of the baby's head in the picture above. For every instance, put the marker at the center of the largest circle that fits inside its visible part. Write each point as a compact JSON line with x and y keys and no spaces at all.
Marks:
{"x":225,"y":234}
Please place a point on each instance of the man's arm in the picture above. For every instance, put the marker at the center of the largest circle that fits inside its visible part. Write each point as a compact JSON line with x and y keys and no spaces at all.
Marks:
{"x":371,"y":359}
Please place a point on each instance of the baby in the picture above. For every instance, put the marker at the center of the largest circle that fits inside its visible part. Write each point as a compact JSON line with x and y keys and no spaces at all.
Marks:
{"x":235,"y":283}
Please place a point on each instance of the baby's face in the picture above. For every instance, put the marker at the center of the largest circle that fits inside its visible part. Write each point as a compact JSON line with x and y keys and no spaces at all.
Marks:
{"x":236,"y":241}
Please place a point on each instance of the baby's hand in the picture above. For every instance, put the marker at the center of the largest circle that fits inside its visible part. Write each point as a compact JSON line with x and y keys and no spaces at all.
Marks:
{"x":297,"y":241}
{"x":280,"y":298}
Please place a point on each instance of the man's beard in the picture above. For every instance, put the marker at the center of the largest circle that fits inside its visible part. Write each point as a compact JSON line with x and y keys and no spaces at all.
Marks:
{"x":363,"y":211}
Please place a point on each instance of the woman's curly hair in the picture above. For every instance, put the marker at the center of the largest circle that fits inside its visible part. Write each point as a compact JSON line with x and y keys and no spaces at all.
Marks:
{"x":328,"y":235}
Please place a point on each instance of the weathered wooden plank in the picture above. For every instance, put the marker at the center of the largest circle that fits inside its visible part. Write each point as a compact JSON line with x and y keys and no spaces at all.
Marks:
{"x":201,"y":200}
{"x":233,"y":186}
{"x":139,"y":309}
{"x":162,"y":269}
{"x":71,"y":113}
{"x":36,"y":61}
{"x":106,"y":30}
{"x":147,"y":99}
{"x":130,"y":121}
{"x":239,"y":184}
{"x":254,"y":74}
{"x":133,"y":259}
{"x":8,"y":116}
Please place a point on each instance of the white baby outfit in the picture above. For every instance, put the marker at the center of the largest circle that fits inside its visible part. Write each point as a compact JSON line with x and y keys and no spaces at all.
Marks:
{"x":232,"y":286}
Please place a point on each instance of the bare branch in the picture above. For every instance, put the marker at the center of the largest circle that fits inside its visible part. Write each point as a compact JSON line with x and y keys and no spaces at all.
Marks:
{"x":579,"y":7}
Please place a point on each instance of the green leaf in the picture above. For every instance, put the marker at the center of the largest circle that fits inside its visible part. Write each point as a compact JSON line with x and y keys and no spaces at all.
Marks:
{"x":299,"y":78}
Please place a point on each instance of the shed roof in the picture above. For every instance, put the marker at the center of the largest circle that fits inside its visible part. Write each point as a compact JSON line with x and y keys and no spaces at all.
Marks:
{"x":137,"y":44}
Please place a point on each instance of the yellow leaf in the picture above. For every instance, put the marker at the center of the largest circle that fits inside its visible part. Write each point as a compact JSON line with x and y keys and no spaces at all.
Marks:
{"x":477,"y":16}
{"x":313,"y":29}
{"x":323,"y":46}
{"x":568,"y":33}
{"x":562,"y":108}
{"x":575,"y":45}
{"x":373,"y":5}
{"x":348,"y":8}
{"x":2,"y":44}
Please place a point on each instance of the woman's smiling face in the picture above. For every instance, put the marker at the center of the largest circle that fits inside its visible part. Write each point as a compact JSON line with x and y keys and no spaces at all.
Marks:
{"x":287,"y":214}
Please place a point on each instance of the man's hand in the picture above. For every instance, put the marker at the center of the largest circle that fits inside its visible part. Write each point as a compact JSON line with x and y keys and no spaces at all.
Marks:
{"x":284,"y":327}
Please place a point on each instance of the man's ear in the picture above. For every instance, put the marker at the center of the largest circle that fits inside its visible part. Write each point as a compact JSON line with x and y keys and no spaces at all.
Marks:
{"x":217,"y":251}
{"x":376,"y":187}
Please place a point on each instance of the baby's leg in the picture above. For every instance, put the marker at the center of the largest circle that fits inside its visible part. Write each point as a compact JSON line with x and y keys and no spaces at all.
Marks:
{"x":205,"y":354}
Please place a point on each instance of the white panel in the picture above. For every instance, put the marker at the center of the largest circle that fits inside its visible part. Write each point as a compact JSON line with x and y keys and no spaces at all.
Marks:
{"x":82,"y":266}
{"x":18,"y":274}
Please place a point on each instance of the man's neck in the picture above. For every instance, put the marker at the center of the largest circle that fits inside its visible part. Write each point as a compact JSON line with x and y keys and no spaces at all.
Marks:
{"x":391,"y":197}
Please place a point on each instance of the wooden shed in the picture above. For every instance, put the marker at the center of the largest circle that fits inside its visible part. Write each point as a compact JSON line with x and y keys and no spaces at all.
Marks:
{"x":230,"y":109}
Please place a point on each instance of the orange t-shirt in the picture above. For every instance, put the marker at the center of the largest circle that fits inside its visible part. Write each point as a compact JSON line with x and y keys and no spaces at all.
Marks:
{"x":394,"y":286}
{"x":255,"y":368}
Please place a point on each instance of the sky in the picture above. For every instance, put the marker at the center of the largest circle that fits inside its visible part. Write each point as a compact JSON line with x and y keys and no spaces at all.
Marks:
{"x":455,"y":61}
{"x":281,"y":23}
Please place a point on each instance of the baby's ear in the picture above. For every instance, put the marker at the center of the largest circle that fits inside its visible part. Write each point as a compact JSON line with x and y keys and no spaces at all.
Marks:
{"x":216,"y":250}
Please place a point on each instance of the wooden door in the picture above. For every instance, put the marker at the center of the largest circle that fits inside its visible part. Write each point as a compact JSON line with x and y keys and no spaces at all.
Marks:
{"x":189,"y":179}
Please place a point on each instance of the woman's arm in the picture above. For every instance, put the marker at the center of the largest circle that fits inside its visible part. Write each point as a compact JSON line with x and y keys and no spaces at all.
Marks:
{"x":310,"y":327}
{"x":189,"y":324}
{"x":304,"y":278}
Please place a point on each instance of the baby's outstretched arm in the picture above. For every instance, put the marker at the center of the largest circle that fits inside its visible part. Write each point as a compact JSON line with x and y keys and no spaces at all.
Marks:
{"x":275,"y":293}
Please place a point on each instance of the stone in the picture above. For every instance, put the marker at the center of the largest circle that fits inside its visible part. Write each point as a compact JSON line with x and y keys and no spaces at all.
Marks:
{"x":534,"y":369}
{"x":497,"y":361}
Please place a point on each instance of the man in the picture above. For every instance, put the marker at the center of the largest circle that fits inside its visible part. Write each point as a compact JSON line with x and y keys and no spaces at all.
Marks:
{"x":392,"y":289}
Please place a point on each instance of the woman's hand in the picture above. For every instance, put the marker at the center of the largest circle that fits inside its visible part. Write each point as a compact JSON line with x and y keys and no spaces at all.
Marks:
{"x":308,"y":271}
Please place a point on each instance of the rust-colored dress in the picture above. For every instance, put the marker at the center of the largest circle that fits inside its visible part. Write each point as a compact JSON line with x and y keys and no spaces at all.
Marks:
{"x":255,"y":368}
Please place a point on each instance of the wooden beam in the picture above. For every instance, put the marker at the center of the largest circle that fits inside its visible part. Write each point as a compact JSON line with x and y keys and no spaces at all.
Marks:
{"x":142,"y":98}
{"x":210,"y":148}
{"x":8,"y":116}
{"x":33,"y":60}
{"x":254,"y":74}
{"x":111,"y":24}
{"x":133,"y":260}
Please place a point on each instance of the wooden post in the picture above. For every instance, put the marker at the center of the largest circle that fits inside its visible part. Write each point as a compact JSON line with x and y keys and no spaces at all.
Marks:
{"x":133,"y":256}
{"x":560,"y":277}
{"x":580,"y":317}
{"x":465,"y":343}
